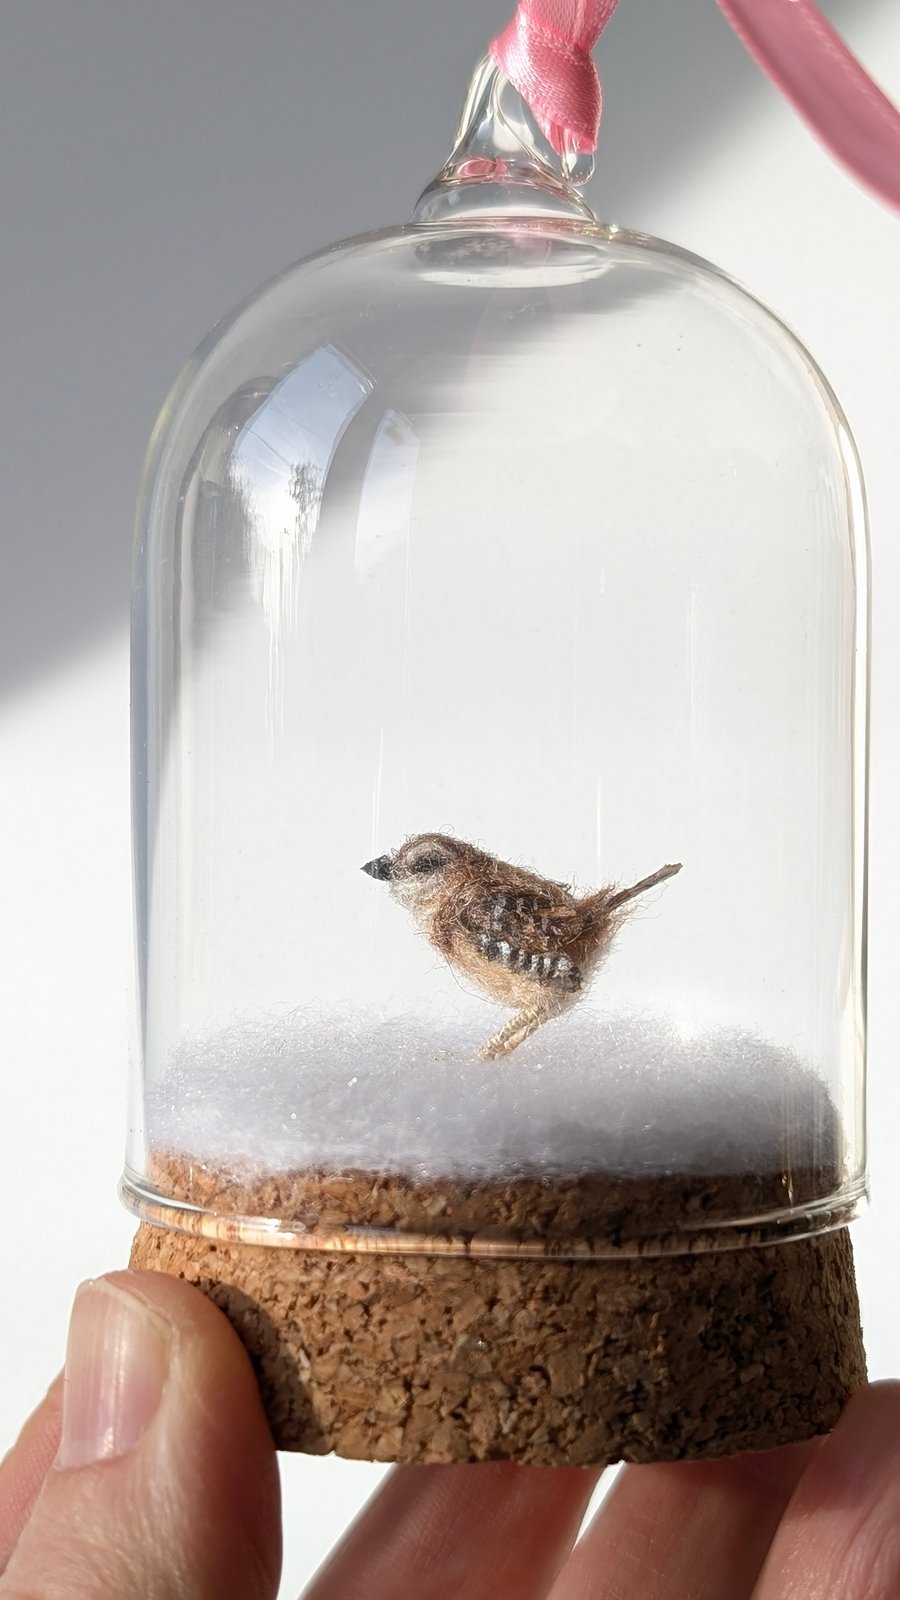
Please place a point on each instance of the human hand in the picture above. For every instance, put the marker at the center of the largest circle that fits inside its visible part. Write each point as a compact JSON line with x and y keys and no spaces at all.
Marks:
{"x":153,"y":1477}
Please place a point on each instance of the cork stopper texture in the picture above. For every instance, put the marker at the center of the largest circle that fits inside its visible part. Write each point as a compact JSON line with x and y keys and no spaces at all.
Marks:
{"x":551,"y":1362}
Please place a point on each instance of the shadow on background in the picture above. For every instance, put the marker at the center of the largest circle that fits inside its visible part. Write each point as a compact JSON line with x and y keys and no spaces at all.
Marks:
{"x":162,"y":160}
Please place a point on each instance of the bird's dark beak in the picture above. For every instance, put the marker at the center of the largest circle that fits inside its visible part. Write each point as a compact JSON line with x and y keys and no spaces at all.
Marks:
{"x":381,"y":867}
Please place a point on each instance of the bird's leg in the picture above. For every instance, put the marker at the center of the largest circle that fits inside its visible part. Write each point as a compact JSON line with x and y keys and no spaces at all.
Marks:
{"x":516,"y":1031}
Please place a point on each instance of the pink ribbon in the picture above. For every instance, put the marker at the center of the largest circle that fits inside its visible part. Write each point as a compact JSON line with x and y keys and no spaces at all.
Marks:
{"x":546,"y":53}
{"x":800,"y":51}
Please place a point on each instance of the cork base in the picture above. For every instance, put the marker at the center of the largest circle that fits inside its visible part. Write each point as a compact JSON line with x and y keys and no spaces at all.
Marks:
{"x":552,"y":1362}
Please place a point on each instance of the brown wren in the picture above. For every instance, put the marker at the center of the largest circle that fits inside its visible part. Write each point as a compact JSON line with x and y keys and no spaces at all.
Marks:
{"x":526,"y":941}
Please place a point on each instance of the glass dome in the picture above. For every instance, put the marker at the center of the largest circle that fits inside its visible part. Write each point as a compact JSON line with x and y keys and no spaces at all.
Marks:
{"x":513,"y":558}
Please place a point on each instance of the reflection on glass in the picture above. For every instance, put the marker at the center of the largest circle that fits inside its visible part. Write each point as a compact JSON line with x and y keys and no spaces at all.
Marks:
{"x":279,"y":467}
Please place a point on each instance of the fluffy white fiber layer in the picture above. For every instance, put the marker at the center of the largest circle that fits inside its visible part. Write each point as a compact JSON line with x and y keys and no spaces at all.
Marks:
{"x":609,"y":1093}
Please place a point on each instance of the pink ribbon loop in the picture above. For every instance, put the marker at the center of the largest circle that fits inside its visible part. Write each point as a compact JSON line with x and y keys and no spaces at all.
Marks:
{"x":546,"y":53}
{"x":801,"y":52}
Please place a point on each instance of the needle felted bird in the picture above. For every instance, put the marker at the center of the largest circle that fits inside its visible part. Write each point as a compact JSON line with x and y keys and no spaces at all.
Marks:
{"x":526,"y":941}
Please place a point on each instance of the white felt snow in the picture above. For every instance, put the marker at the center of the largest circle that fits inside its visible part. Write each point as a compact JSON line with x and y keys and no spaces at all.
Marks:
{"x":610,"y":1093}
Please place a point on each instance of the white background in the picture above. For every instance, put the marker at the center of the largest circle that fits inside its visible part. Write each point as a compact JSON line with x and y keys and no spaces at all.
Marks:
{"x":159,"y":162}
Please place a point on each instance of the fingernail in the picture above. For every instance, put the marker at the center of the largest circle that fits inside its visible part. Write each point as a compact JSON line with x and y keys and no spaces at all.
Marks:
{"x":117,"y":1361}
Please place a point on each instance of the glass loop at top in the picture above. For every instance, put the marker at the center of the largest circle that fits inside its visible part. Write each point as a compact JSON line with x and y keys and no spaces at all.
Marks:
{"x":501,"y":162}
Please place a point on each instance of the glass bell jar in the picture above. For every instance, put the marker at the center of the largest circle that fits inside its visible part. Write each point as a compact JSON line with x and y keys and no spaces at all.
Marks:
{"x":499,"y":725}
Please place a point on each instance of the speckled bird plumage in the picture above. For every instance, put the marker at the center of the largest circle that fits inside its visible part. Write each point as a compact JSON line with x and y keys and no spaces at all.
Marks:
{"x":526,"y":941}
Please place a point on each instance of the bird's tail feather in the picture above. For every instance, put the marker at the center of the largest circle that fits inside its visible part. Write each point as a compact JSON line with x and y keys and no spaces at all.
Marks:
{"x":622,"y":896}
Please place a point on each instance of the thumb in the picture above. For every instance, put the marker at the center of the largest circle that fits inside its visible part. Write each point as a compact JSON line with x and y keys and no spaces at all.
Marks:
{"x":165,"y":1485}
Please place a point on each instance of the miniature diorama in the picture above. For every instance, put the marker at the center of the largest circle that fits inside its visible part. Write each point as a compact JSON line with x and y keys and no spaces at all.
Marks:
{"x":506,"y":530}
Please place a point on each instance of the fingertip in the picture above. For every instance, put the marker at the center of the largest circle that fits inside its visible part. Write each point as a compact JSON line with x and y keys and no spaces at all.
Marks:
{"x":183,"y":1304}
{"x":166,"y":1473}
{"x":866,"y":1434}
{"x":494,"y":1528}
{"x":207,"y":1344}
{"x":215,"y":1417}
{"x":839,"y":1533}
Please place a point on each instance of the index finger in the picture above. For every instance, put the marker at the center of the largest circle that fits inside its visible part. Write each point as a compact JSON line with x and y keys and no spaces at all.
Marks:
{"x":840,"y":1535}
{"x":460,"y":1533}
{"x":689,"y":1531}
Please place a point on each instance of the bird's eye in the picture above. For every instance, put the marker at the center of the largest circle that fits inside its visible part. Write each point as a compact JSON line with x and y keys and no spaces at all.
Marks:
{"x":432,"y":863}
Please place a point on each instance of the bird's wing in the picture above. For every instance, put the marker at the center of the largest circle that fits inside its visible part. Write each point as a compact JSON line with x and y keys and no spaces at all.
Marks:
{"x":525,"y":932}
